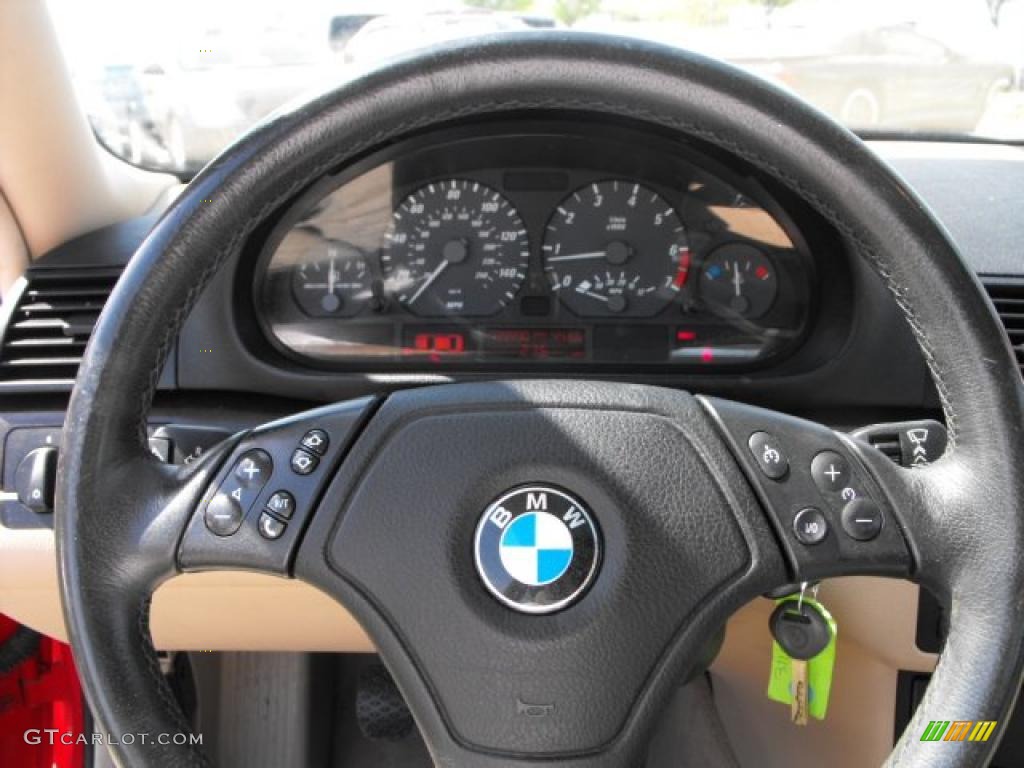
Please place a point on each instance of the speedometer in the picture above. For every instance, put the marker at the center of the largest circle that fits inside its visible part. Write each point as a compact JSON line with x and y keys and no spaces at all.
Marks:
{"x":455,"y":247}
{"x":616,"y":248}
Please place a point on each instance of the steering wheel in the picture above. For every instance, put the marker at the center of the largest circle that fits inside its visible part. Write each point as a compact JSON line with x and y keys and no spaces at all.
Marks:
{"x":672,"y":519}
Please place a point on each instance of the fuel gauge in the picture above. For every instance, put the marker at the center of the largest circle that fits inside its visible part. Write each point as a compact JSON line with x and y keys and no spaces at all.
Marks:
{"x":739,"y":279}
{"x":334,"y":281}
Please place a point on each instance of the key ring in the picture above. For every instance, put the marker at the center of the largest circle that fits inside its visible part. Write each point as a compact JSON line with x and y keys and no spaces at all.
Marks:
{"x":803,"y":591}
{"x":800,"y":600}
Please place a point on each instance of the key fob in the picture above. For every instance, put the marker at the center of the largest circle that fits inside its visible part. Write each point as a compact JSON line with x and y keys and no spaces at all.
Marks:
{"x":801,"y":634}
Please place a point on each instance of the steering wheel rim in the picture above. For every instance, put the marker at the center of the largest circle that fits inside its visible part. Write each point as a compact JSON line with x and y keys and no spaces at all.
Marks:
{"x":120,"y":516}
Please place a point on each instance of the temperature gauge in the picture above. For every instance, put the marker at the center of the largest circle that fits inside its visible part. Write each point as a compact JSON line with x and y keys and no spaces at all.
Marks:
{"x":739,"y":279}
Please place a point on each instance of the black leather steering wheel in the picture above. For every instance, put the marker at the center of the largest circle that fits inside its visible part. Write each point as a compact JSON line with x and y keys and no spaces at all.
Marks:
{"x":690,"y":528}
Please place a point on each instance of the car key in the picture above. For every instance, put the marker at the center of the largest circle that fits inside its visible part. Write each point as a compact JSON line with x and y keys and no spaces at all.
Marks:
{"x":802,"y":632}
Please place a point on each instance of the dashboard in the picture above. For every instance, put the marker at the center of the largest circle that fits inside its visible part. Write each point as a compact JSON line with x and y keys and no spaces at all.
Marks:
{"x":536,"y":245}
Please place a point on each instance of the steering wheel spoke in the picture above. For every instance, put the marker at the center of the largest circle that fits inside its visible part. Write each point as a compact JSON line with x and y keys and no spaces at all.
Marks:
{"x":829,"y":511}
{"x":252,"y":513}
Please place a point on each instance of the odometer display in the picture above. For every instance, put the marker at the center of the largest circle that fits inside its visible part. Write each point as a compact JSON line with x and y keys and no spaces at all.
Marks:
{"x":615,"y":249}
{"x":535,"y":343}
{"x":455,"y":248}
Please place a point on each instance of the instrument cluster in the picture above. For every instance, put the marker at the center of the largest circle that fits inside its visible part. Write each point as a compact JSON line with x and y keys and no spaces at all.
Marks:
{"x":550,"y":245}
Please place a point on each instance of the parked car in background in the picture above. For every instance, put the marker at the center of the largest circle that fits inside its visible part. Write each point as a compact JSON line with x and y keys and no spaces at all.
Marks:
{"x":177,"y":107}
{"x":199,"y":99}
{"x":174,"y":100}
{"x":897,"y":64}
{"x":116,"y":103}
{"x":1009,"y":20}
{"x":904,"y":65}
{"x":343,"y":27}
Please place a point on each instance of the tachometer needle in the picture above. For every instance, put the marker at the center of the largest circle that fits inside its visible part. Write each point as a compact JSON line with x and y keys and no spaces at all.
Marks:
{"x":578,"y":256}
{"x":593,"y":295}
{"x":430,"y":279}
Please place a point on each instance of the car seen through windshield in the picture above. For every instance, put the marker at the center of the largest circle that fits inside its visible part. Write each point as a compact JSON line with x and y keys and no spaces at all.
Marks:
{"x":173,"y":84}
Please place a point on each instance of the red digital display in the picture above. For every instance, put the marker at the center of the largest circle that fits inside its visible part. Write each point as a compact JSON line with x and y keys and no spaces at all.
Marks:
{"x":443,"y":343}
{"x":536,"y":343}
{"x":436,"y":344}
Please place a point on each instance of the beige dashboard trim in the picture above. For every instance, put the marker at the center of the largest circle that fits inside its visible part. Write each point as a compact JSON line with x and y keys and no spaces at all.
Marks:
{"x":235,"y":610}
{"x":222,"y":610}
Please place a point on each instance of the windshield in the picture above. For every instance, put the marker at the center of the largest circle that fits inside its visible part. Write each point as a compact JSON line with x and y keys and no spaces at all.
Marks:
{"x":168,"y":85}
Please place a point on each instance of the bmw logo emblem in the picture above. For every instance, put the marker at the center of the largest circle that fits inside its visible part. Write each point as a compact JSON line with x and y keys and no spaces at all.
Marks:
{"x":537,"y":549}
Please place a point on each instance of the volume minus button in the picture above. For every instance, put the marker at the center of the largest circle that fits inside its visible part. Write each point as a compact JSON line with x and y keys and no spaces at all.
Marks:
{"x":223,"y":515}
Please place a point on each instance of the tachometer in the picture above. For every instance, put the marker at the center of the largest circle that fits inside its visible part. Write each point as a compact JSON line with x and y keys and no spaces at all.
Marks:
{"x":740,"y":279}
{"x":616,"y":248}
{"x":455,"y":247}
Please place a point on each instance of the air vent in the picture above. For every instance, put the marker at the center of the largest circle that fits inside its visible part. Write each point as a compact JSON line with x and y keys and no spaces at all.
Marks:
{"x":887,"y":443}
{"x":49,"y":326}
{"x":911,"y":444}
{"x":1007,"y":294}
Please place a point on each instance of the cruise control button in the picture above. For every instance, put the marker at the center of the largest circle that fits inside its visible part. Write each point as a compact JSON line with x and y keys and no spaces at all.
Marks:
{"x":303,"y":462}
{"x":253,"y":468}
{"x":223,"y":515}
{"x":810,"y":526}
{"x":282,"y":504}
{"x":768,"y":455}
{"x":862,"y":519}
{"x":316,"y":440}
{"x":270,"y":527}
{"x":830,"y":471}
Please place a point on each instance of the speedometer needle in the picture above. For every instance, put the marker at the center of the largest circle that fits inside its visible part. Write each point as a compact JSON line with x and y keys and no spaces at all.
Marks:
{"x":593,"y":295}
{"x":430,"y":279}
{"x":578,"y":256}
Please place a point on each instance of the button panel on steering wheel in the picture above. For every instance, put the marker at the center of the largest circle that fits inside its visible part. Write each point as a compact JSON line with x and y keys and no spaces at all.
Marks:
{"x":253,"y":513}
{"x":829,"y":513}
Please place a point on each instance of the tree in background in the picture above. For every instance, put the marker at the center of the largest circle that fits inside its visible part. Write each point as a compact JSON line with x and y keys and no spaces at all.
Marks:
{"x":570,"y":11}
{"x":501,"y":5}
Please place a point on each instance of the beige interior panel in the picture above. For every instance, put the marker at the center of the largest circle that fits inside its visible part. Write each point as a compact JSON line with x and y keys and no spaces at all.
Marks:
{"x":234,"y":610}
{"x":231,"y":611}
{"x":222,"y":610}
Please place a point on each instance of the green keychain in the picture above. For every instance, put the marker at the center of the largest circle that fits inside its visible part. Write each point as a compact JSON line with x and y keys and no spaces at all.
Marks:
{"x":803,"y":657}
